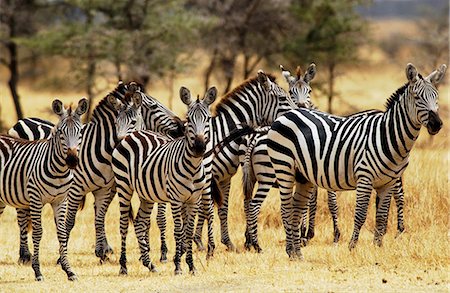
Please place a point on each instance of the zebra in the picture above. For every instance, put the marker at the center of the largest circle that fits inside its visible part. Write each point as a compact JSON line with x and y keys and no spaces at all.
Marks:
{"x":99,"y":139}
{"x":309,"y":148}
{"x":160,"y":169}
{"x":34,"y":173}
{"x":256,"y":102}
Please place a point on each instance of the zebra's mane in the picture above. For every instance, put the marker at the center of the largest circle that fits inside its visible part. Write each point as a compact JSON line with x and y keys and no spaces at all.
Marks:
{"x":395,"y":97}
{"x":119,"y":92}
{"x":233,"y":94}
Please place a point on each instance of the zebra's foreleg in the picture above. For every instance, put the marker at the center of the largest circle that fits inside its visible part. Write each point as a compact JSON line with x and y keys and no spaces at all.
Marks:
{"x":102,"y":200}
{"x":36,"y":224}
{"x":126,"y":216}
{"x":382,"y":215}
{"x":399,"y":202}
{"x":141,"y":226}
{"x":24,"y":222}
{"x":223,"y":216}
{"x":59,"y":212}
{"x":73,"y":203}
{"x":333,"y":208}
{"x":178,"y":231}
{"x":191,"y":212}
{"x":162,"y":221}
{"x":202,"y":215}
{"x":363,"y":192}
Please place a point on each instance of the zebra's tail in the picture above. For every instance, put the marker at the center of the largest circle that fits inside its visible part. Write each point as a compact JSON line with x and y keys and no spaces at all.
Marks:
{"x":248,"y":174}
{"x":216,"y":193}
{"x":82,"y":203}
{"x":235,"y":134}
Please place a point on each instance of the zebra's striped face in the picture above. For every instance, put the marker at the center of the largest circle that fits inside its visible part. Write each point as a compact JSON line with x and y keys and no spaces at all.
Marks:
{"x":299,"y":88}
{"x":198,"y":120}
{"x":274,"y":103}
{"x":160,"y":119}
{"x":68,"y":130}
{"x":423,"y":97}
{"x":129,"y":117}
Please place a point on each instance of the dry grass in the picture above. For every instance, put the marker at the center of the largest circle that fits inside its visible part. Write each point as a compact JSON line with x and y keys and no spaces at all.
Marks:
{"x":416,"y":261}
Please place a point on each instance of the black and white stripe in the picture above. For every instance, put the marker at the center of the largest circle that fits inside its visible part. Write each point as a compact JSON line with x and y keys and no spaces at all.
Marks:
{"x":256,"y":102}
{"x":160,"y":169}
{"x":309,"y":148}
{"x":34,"y":173}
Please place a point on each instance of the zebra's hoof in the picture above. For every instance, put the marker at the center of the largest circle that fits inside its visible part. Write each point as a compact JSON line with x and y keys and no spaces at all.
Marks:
{"x":303,"y":242}
{"x":163,"y":259}
{"x":352,"y":245}
{"x":123,"y":271}
{"x":72,"y":277}
{"x":257,"y":248}
{"x":199,"y":244}
{"x":178,"y":272}
{"x":193,"y":271}
{"x":58,"y":262}
{"x":40,"y":278}
{"x":247,"y":246}
{"x":231,"y":247}
{"x":153,"y":269}
{"x":24,"y":260}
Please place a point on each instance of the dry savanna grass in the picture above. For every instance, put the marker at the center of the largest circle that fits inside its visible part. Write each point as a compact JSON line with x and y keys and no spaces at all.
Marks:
{"x":418,"y":260}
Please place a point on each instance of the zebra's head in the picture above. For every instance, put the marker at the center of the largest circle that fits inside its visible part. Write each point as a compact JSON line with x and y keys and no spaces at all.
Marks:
{"x":129,"y":117}
{"x":299,"y":88}
{"x":68,"y":129}
{"x":274,"y":103}
{"x":157,"y":117}
{"x":198,"y":117}
{"x":423,"y":97}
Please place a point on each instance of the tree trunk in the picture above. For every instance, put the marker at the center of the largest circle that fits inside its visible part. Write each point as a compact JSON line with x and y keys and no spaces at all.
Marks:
{"x":171,"y":91}
{"x":210,"y":69}
{"x":13,"y":68}
{"x":331,"y":76}
{"x":90,"y":82}
{"x":118,"y":69}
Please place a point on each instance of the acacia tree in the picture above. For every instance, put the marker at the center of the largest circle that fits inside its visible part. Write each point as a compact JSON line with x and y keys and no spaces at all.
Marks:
{"x":328,"y":33}
{"x":251,"y":29}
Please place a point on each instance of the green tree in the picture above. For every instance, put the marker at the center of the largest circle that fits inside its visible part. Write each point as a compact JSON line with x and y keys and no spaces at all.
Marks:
{"x":328,"y":33}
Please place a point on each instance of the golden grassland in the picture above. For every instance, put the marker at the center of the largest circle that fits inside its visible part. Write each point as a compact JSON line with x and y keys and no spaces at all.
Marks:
{"x":418,"y":260}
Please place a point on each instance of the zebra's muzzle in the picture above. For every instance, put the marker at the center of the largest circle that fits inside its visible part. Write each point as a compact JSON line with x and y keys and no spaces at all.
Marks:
{"x":434,"y":123}
{"x":72,"y":158}
{"x":199,"y":147}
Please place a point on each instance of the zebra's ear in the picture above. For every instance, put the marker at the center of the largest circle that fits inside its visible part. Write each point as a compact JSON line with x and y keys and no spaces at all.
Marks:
{"x":438,"y":74}
{"x":57,"y":107}
{"x":310,"y":73}
{"x":287,"y":75}
{"x":114,"y":102}
{"x":133,"y":86}
{"x":185,"y":95}
{"x":411,"y":73}
{"x":210,"y":96}
{"x":82,"y":107}
{"x":264,"y":80}
{"x":137,"y":100}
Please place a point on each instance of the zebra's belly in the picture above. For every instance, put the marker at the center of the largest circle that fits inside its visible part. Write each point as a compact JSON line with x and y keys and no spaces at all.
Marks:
{"x":332,"y":177}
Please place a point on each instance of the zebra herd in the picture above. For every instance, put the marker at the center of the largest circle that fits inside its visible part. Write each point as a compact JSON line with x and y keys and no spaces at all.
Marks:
{"x":133,"y":143}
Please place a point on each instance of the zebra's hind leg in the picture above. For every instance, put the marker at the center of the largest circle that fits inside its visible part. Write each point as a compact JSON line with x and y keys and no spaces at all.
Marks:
{"x":333,"y":207}
{"x":24,"y":222}
{"x":254,"y":210}
{"x":312,"y":215}
{"x":191,"y":212}
{"x":102,"y":200}
{"x":363,"y":192}
{"x":300,"y":202}
{"x":59,"y":213}
{"x":383,"y":204}
{"x":141,"y":226}
{"x":162,"y":221}
{"x":178,"y":231}
{"x":35,"y":212}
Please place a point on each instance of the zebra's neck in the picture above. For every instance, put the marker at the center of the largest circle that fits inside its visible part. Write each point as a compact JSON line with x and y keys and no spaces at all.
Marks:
{"x":188,"y":159}
{"x":400,"y":129}
{"x":103,"y":122}
{"x":56,"y":158}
